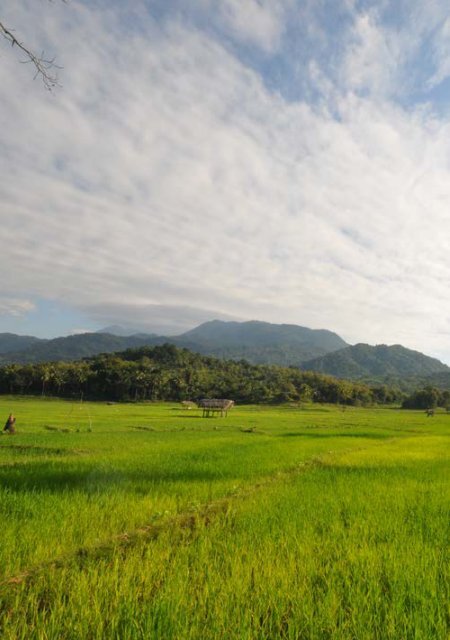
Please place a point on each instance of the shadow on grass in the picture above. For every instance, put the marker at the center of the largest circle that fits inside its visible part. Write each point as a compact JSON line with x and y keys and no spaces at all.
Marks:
{"x":27,"y":449}
{"x":336,"y":434}
{"x":46,"y":477}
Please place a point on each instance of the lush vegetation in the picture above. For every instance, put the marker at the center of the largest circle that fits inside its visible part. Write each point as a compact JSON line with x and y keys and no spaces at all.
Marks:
{"x":427,"y":398}
{"x":168,"y":373}
{"x":365,"y":361}
{"x":147,"y":521}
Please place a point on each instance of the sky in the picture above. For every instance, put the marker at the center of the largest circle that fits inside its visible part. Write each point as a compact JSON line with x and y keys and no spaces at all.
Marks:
{"x":279,"y":160}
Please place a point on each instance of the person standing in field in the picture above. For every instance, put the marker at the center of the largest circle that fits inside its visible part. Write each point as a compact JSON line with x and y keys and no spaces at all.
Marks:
{"x":9,"y":426}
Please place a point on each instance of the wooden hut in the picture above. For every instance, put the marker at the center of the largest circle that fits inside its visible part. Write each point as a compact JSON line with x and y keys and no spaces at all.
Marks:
{"x":213,"y":406}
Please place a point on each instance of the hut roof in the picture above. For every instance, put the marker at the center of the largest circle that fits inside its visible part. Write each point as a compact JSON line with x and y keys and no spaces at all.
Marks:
{"x":216,"y":403}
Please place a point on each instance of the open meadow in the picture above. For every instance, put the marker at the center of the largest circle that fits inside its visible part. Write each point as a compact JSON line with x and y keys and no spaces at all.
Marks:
{"x":148,"y":521}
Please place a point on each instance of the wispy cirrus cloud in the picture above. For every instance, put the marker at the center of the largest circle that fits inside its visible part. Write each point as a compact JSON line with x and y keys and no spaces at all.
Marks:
{"x":373,"y":56}
{"x":258,"y":22}
{"x":172,"y":171}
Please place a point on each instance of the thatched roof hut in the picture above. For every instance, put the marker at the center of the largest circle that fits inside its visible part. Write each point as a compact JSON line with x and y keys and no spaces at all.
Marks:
{"x":215,"y":405}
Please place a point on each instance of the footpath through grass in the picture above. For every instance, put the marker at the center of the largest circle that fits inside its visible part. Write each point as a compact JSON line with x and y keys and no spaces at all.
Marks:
{"x":146,"y":521}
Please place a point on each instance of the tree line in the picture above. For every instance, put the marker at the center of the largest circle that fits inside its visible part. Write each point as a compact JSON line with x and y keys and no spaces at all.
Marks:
{"x":427,"y":398}
{"x":169,"y":373}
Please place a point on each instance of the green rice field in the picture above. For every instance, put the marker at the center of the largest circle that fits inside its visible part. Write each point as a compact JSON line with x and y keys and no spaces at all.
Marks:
{"x":127,"y":521}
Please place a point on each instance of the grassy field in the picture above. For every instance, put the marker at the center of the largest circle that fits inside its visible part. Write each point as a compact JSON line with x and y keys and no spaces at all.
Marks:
{"x":147,"y":521}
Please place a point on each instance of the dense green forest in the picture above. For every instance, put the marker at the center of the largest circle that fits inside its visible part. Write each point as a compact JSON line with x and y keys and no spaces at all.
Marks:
{"x":427,"y":398}
{"x":168,"y":373}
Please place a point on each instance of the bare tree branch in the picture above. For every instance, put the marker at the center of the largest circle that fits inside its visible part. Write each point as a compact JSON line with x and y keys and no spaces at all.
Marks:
{"x":46,"y":69}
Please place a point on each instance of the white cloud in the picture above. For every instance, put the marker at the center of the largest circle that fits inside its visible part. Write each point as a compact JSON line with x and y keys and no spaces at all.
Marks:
{"x":258,"y":22}
{"x":15,"y":307}
{"x":406,"y":54}
{"x":373,"y":56}
{"x":154,"y":318}
{"x":165,"y":175}
{"x":441,"y":54}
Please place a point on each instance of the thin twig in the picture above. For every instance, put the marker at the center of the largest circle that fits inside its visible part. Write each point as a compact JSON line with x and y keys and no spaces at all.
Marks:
{"x":44,"y":67}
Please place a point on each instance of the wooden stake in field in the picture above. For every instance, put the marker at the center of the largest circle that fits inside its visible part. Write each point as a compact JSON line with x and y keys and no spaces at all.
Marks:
{"x":10,"y":425}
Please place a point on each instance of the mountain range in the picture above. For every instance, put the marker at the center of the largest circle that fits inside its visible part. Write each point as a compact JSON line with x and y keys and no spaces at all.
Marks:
{"x":257,"y":342}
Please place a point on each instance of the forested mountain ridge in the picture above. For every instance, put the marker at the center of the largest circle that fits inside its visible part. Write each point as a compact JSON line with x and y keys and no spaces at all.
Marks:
{"x":262,"y":334}
{"x":11,"y":342}
{"x":260,"y":342}
{"x":72,"y":348}
{"x":256,"y":342}
{"x":169,"y":373}
{"x":364,"y":361}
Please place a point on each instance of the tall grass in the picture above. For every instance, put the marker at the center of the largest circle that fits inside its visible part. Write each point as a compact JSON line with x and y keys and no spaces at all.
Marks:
{"x":273,"y":523}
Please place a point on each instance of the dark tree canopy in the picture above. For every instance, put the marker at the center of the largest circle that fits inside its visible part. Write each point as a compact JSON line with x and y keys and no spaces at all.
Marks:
{"x":427,"y":398}
{"x":168,"y":373}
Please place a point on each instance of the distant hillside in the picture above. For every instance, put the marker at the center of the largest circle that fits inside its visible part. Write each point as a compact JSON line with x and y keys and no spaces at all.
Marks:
{"x":12,"y":342}
{"x":73,"y":347}
{"x":262,"y":334}
{"x":440,"y":380}
{"x":260,"y":342}
{"x":364,"y":361}
{"x":115,"y":330}
{"x":256,"y":342}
